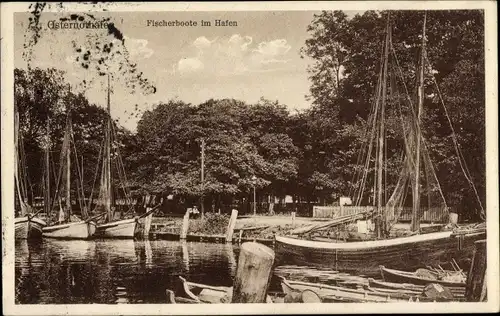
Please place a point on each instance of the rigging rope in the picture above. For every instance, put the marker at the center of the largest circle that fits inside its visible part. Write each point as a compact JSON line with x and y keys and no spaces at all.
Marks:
{"x":463,"y":166}
{"x":96,"y":173}
{"x":80,"y":182}
{"x":416,"y":125}
{"x":121,"y":171}
{"x":368,"y":141}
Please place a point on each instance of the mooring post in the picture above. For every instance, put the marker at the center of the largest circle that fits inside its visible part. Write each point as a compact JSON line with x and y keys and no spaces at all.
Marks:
{"x":147,"y":223}
{"x":185,"y":225}
{"x":231,"y":225}
{"x":253,"y":273}
{"x":477,"y":273}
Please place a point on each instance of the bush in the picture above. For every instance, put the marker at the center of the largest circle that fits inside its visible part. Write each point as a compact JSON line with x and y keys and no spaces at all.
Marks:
{"x":212,"y":224}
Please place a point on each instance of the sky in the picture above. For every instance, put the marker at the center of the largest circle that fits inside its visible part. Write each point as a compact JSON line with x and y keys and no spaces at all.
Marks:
{"x":257,"y":57}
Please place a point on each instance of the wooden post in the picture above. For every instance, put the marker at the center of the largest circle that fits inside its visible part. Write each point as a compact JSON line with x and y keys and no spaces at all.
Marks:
{"x":241,"y":235}
{"x":477,"y":273}
{"x":230,"y":226}
{"x":253,"y":273}
{"x":484,"y":295}
{"x":293,"y":218}
{"x":147,"y":223}
{"x":185,"y":226}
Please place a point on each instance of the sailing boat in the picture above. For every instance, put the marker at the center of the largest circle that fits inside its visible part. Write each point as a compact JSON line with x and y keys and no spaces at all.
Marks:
{"x":109,"y":227}
{"x":408,"y":252}
{"x":27,"y":224}
{"x":67,"y":226}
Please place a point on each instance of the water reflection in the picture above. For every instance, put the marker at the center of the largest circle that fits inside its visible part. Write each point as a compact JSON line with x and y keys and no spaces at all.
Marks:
{"x":115,"y":271}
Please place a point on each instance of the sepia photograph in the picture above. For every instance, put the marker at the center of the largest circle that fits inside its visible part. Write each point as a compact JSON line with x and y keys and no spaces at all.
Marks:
{"x":320,"y":157}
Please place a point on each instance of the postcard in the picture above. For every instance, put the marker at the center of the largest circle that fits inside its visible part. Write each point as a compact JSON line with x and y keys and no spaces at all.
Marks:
{"x":294,"y":157}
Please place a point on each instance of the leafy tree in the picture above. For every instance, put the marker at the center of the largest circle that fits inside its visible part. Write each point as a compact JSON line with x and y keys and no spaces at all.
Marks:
{"x":347,"y":53}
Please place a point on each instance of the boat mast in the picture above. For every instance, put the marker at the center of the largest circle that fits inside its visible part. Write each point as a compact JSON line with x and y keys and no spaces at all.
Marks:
{"x":16,"y":163}
{"x":46,"y":201}
{"x":415,"y":221}
{"x":380,"y":227}
{"x":68,"y":164}
{"x":107,"y":159}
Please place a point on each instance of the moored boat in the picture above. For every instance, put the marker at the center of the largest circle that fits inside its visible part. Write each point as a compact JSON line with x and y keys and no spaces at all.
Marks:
{"x":204,"y":293}
{"x":366,"y":256}
{"x":138,"y":227}
{"x":71,"y":230}
{"x":330,"y":293}
{"x":26,"y":223}
{"x":109,"y":226}
{"x":117,"y":229}
{"x":191,"y":292}
{"x":398,"y":276}
{"x":28,"y":227}
{"x":65,"y":225}
{"x":381,"y":247}
{"x":458,"y":292}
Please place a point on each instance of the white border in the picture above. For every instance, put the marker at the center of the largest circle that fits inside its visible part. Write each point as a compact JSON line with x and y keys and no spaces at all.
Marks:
{"x":7,"y":57}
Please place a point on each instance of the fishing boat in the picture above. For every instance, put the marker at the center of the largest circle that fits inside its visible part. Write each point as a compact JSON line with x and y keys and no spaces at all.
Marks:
{"x":28,"y":227}
{"x":127,"y":225}
{"x":366,"y":256}
{"x":383,"y":247}
{"x":419,"y":277}
{"x":27,"y":224}
{"x":67,"y":225}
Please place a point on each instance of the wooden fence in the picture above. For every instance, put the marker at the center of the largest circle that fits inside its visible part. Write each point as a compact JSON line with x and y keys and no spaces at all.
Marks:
{"x":432,"y":215}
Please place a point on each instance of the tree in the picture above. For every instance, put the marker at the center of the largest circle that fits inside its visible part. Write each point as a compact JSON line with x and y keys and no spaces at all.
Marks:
{"x":456,"y":61}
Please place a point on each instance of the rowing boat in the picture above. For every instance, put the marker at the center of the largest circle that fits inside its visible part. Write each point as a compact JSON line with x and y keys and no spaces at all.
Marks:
{"x":458,"y":292}
{"x":203,"y":293}
{"x":398,"y":276}
{"x":191,"y":292}
{"x":330,"y":293}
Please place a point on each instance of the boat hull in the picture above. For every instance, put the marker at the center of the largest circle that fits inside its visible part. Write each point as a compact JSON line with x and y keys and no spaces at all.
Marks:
{"x":27,"y":228}
{"x":118,"y":229}
{"x":405,"y":253}
{"x":74,"y":230}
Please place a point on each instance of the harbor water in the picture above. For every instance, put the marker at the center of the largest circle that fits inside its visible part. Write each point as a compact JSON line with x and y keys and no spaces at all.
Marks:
{"x":115,"y":271}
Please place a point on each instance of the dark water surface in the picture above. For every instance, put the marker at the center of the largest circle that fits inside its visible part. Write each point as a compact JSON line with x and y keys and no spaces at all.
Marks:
{"x":115,"y":271}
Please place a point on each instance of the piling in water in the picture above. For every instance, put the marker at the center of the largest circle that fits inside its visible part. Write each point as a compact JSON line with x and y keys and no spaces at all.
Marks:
{"x":185,"y":226}
{"x":475,"y":287}
{"x":253,"y":273}
{"x":230,"y":226}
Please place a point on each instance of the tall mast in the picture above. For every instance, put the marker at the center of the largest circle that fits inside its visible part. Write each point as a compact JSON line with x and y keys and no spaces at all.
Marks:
{"x":107,"y":159}
{"x":47,"y":201}
{"x":380,"y":161}
{"x":68,"y":164}
{"x":415,"y":221}
{"x":202,"y":206}
{"x":17,"y":162}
